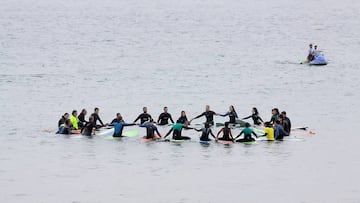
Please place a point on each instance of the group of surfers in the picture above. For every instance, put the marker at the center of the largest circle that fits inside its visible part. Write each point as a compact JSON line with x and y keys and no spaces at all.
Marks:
{"x":275,"y":129}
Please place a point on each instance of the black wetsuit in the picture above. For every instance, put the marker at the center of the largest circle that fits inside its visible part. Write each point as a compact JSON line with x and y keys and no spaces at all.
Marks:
{"x":61,"y":121}
{"x":82,"y":120}
{"x":144,"y":117}
{"x":88,"y":128}
{"x":286,"y":124}
{"x":182,"y":119}
{"x":97,"y":118}
{"x":65,"y":130}
{"x":226,"y":134}
{"x":115,"y":120}
{"x":164,"y":117}
{"x":205,"y":134}
{"x":209,"y":117}
{"x":232,"y":115}
{"x":256,"y":118}
{"x":150,"y":130}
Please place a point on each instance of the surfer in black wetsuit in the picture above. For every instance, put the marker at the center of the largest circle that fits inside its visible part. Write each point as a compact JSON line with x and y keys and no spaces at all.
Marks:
{"x":89,"y":127}
{"x":164,"y":117}
{"x":182,"y":119}
{"x":255,"y":116}
{"x":118,"y":118}
{"x":66,"y":128}
{"x":206,"y":131}
{"x":63,"y":119}
{"x":144,"y":117}
{"x":285,"y":121}
{"x":97,"y":118}
{"x":208,"y":114}
{"x":150,"y":130}
{"x":232,"y":114}
{"x":227,"y":135}
{"x":81,"y":118}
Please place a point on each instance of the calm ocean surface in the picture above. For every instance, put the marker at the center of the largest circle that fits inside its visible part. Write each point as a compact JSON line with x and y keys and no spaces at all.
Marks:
{"x":56,"y":56}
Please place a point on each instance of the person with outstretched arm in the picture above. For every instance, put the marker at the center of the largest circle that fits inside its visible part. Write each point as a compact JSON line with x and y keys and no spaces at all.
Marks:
{"x":206,"y":131}
{"x":164,"y":117}
{"x":269,"y":131}
{"x":144,"y":117}
{"x":274,"y":115}
{"x":150,"y":130}
{"x":227,"y":134}
{"x":119,"y":126}
{"x":232,"y":115}
{"x":255,"y":116}
{"x":97,"y":118}
{"x":247,"y":131}
{"x":176,"y":129}
{"x":208,"y":114}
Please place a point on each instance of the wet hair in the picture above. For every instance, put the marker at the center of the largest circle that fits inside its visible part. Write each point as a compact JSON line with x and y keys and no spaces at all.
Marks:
{"x":226,"y":124}
{"x":255,"y":111}
{"x":73,"y":112}
{"x":247,"y":125}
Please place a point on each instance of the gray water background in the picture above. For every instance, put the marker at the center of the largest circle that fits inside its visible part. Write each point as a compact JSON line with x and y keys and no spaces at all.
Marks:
{"x":56,"y":56}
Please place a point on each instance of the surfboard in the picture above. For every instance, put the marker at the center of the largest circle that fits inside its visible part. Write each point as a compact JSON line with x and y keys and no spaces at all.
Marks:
{"x":131,"y":133}
{"x":224,"y":142}
{"x":204,"y":142}
{"x":143,"y":139}
{"x":105,"y":132}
